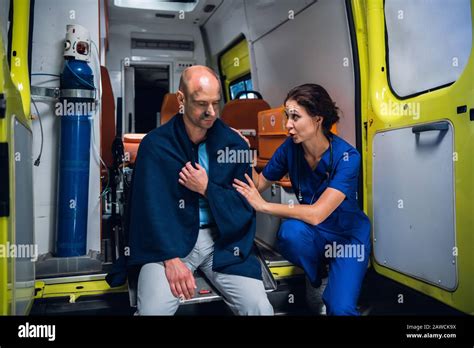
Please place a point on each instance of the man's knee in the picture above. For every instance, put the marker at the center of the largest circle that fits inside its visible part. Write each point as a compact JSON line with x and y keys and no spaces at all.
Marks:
{"x":154,"y":296}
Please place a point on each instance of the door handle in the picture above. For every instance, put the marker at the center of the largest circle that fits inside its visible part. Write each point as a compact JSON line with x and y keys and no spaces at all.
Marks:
{"x":438,"y":126}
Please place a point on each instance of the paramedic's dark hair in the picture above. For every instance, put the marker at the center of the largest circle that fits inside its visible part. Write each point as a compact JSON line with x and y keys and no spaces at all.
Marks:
{"x":317,"y":102}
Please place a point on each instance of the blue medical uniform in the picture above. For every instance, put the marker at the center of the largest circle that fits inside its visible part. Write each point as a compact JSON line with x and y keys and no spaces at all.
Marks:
{"x":343,"y":239}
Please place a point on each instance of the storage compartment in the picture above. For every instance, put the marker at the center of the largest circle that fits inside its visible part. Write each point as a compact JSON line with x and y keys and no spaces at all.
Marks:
{"x":272,"y":131}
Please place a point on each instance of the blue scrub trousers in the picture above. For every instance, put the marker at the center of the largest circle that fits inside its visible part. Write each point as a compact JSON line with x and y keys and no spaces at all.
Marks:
{"x":305,"y":245}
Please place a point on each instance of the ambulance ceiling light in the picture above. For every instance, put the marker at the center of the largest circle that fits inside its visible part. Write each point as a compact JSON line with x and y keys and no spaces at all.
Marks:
{"x":159,"y":5}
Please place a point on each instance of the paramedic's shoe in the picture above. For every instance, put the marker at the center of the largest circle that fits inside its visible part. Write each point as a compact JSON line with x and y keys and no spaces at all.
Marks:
{"x":364,"y":309}
{"x":314,"y":297}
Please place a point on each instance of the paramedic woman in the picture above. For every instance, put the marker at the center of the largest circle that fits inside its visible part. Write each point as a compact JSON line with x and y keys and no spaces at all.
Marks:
{"x":327,"y":227}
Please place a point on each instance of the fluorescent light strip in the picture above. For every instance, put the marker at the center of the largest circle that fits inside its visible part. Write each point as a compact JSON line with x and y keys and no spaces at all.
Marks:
{"x":157,"y":5}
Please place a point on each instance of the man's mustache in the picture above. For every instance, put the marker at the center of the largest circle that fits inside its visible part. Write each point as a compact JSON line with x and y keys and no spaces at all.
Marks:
{"x":205,"y":116}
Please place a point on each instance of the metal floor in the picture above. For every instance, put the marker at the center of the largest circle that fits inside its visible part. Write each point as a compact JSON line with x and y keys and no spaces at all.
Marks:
{"x":379,"y":296}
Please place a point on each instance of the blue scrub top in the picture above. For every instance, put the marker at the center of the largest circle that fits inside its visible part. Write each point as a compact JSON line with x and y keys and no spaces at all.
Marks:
{"x":348,"y":219}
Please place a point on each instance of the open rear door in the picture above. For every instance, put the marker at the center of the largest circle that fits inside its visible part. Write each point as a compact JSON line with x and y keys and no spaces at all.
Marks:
{"x":420,"y":131}
{"x":18,"y":250}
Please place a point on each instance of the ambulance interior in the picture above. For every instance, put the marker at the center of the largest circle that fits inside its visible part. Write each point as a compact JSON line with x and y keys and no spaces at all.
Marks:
{"x":260,"y":49}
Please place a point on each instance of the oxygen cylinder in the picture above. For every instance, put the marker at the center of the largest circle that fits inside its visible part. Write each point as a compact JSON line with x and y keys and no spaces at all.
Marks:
{"x":77,"y":104}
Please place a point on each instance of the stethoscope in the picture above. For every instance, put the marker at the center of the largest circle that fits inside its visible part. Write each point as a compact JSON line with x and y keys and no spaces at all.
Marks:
{"x":329,"y":171}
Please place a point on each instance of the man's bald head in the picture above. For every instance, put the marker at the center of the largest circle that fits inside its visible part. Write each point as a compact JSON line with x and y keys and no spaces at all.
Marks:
{"x":194,"y":77}
{"x":199,"y":97}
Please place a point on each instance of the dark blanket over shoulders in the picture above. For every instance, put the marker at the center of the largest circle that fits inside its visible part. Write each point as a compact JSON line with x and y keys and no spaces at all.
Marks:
{"x":164,"y":215}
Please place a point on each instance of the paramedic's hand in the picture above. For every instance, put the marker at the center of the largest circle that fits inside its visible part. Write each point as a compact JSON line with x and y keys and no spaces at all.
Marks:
{"x":180,"y":278}
{"x":243,"y":137}
{"x":250,"y":192}
{"x":254,"y":160}
{"x":194,"y":179}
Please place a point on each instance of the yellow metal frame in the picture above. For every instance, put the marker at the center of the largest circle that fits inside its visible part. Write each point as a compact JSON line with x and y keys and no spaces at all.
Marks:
{"x":234,"y":64}
{"x":76,"y":289}
{"x":359,"y":14}
{"x":436,"y":105}
{"x":19,"y":59}
{"x":18,"y":107}
{"x":282,"y":272}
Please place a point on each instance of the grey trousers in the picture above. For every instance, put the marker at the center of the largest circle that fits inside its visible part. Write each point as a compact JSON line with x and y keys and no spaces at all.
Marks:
{"x":244,"y":295}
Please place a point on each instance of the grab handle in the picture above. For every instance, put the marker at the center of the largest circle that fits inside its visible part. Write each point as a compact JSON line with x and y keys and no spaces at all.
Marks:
{"x":438,"y":126}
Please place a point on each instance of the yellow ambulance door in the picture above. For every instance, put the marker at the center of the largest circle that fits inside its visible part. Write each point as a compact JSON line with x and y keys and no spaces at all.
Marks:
{"x":17,"y":248}
{"x":420,"y":131}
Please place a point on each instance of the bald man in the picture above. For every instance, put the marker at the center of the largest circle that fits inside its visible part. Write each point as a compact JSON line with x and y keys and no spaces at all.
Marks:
{"x":185,"y":213}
